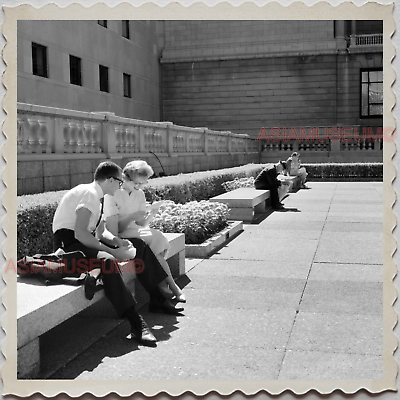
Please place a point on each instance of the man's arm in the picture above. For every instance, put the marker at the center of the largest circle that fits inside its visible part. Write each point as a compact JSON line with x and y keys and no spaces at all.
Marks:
{"x":85,"y":237}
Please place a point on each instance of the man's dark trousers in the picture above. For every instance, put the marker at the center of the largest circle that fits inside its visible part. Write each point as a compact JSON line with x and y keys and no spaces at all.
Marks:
{"x":114,"y":287}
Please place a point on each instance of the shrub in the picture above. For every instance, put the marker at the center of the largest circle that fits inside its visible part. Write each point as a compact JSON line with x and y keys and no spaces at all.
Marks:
{"x":345,"y":171}
{"x":34,"y":223}
{"x":196,"y":186}
{"x":198,"y":220}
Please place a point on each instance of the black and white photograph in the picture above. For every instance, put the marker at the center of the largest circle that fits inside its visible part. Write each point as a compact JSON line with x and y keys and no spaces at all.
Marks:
{"x":202,"y":203}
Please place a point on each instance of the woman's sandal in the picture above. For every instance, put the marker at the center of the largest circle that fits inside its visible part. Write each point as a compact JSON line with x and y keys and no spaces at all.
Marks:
{"x":180,"y":298}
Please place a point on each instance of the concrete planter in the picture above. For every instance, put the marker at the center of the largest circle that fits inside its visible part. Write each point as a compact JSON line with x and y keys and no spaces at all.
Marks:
{"x":204,"y":249}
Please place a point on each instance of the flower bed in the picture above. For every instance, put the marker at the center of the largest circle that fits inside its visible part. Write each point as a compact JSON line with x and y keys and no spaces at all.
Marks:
{"x":238,"y":183}
{"x":198,"y":220}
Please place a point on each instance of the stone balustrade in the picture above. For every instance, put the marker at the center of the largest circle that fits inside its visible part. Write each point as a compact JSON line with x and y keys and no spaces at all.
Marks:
{"x":47,"y":130}
{"x":323,"y":144}
{"x":58,"y":149}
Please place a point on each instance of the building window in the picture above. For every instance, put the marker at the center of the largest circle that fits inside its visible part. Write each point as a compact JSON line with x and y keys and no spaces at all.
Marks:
{"x":102,"y":22}
{"x":39,"y":60}
{"x":371,"y":93}
{"x":103,"y":74}
{"x":127,"y":85}
{"x":75,"y":70}
{"x":125,"y":29}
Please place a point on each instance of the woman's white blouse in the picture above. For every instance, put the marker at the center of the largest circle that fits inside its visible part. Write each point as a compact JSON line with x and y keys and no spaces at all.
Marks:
{"x":123,"y":204}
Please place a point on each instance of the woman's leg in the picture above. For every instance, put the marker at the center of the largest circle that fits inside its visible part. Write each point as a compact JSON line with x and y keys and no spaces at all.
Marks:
{"x":176,"y":290}
{"x":303,"y":175}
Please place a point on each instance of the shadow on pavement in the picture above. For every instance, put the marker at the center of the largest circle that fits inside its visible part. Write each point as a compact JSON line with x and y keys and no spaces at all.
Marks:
{"x":118,"y":343}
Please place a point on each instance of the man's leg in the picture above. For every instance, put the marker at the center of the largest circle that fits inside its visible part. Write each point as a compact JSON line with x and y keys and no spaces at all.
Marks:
{"x":273,"y":192}
{"x":114,"y":287}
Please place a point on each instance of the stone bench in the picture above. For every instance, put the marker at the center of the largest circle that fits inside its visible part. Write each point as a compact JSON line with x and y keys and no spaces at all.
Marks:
{"x":41,"y":308}
{"x":244,"y":203}
{"x":294,"y":185}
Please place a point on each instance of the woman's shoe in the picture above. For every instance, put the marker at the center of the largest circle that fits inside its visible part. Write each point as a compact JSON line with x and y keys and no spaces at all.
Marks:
{"x":180,"y":298}
{"x":165,"y":307}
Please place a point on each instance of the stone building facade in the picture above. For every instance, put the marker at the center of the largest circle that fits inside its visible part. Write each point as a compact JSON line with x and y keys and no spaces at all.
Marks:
{"x":245,"y":75}
{"x":91,"y":44}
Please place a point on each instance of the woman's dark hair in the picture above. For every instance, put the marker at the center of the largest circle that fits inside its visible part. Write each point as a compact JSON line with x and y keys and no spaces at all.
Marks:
{"x":105,"y":170}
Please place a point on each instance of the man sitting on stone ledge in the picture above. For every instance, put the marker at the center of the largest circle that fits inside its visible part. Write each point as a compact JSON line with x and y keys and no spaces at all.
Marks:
{"x":76,"y":219}
{"x":267,"y":179}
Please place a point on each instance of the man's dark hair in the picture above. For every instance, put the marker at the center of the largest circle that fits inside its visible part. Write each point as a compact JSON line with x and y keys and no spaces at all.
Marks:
{"x":105,"y":170}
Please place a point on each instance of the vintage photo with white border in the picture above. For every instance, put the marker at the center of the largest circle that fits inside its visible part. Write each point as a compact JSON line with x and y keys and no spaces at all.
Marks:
{"x":293,"y":289}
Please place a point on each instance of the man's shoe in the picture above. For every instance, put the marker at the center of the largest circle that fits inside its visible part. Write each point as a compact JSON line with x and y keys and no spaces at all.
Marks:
{"x":142,"y":333}
{"x":278,"y":207}
{"x":166,"y":307}
{"x":90,"y":286}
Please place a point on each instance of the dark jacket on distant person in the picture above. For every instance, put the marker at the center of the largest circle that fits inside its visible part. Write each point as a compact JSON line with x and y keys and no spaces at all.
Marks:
{"x":267,"y":178}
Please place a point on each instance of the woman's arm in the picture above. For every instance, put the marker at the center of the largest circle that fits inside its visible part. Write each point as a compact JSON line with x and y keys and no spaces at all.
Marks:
{"x":125,"y":221}
{"x":146,"y":221}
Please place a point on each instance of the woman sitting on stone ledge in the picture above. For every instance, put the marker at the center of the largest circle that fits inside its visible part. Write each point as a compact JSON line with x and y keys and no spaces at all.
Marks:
{"x":128,"y":216}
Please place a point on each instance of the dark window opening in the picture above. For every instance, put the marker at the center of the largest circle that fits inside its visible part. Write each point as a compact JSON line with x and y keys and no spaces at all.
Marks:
{"x":103,"y":74}
{"x":39,"y":60}
{"x":127,"y":85}
{"x":125,"y":29}
{"x":75,"y":70}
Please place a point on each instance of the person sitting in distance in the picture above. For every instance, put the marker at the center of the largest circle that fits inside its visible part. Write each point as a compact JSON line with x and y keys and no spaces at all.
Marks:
{"x":268,"y":179}
{"x":294,"y":168}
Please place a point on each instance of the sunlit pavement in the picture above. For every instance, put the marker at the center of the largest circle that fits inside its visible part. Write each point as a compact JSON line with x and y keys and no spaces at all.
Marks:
{"x":297,"y":296}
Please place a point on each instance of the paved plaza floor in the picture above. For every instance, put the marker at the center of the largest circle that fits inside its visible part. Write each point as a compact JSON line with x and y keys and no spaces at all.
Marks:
{"x":296,"y":296}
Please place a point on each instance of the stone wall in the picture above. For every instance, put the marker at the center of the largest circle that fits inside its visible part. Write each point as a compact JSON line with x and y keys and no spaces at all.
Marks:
{"x":245,"y":75}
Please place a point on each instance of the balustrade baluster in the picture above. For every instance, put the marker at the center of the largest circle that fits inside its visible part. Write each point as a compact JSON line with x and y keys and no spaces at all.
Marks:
{"x":81,"y":140}
{"x":123,"y":140}
{"x":33,"y":135}
{"x":95,"y":138}
{"x":147,"y":139}
{"x":117,"y":132}
{"x":43,"y":136}
{"x":87,"y":136}
{"x":73,"y":136}
{"x":129,"y":139}
{"x":66,"y":136}
{"x":21,"y":136}
{"x":159,"y":145}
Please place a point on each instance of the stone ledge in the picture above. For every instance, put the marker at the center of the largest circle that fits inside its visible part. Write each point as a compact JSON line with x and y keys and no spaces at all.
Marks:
{"x":40,"y":308}
{"x":204,"y":249}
